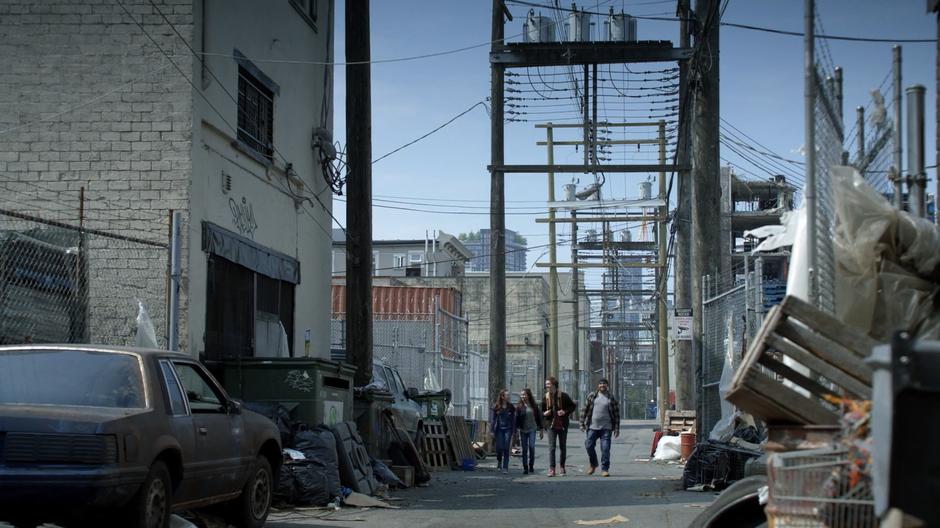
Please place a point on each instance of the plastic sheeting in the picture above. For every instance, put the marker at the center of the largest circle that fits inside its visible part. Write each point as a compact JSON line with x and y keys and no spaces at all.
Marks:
{"x":146,"y":335}
{"x":888,"y":263}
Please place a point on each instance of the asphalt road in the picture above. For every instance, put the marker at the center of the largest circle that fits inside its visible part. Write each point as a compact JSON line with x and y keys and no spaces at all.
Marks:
{"x":643,"y":492}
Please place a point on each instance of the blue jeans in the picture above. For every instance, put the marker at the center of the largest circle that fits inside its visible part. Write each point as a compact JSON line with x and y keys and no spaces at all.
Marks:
{"x":591,"y":440}
{"x":502,"y":441}
{"x":528,"y":448}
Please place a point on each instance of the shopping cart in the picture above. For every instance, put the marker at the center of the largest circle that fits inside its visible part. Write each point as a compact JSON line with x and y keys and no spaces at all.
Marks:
{"x":813,"y":488}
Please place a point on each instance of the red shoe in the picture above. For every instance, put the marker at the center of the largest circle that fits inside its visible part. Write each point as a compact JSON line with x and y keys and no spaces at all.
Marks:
{"x":551,"y":472}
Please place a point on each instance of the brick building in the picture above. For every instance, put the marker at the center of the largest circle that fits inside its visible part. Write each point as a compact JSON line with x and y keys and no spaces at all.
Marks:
{"x":118,"y":103}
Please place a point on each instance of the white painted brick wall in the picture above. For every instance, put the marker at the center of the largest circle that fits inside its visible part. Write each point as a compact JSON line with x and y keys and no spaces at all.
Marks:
{"x":93,"y":103}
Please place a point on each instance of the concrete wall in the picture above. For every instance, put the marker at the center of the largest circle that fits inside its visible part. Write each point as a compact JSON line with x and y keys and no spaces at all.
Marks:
{"x":87,"y":100}
{"x":279,"y":219}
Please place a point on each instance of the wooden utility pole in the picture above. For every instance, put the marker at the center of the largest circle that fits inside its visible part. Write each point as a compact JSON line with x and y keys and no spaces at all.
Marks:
{"x":552,"y":259}
{"x":497,"y":348}
{"x":359,"y":191}
{"x":685,"y":384}
{"x":706,"y":184}
{"x":662,"y":324}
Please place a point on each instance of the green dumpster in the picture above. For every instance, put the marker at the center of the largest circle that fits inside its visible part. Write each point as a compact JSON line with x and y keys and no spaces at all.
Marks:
{"x":315,"y":391}
{"x":434,"y":403}
{"x":368,"y":416}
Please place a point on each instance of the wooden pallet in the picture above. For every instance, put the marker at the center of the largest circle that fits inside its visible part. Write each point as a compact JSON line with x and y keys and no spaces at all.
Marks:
{"x":459,"y":439}
{"x":680,"y":422}
{"x":436,"y":452}
{"x":832,"y":351}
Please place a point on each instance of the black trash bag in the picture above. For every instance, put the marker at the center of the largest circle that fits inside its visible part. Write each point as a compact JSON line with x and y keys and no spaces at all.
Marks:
{"x":312,"y":481}
{"x":286,"y":492}
{"x":319,"y":446}
{"x":385,"y":475}
{"x":278,"y":414}
{"x":748,"y":433}
{"x":407,"y":457}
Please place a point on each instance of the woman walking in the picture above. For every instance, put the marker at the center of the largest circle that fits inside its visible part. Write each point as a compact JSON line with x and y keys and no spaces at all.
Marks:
{"x":502,"y":428}
{"x":529,"y":420}
{"x":556,"y":407}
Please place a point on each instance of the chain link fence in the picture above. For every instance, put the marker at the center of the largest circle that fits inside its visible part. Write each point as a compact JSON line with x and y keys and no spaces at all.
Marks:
{"x":430,"y":352}
{"x":478,"y":376}
{"x":732,"y":311}
{"x":577,"y":383}
{"x":827,"y":122}
{"x":60,"y":283}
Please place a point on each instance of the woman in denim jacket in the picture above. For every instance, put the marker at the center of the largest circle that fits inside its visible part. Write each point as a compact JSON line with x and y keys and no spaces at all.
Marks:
{"x":502,"y":427}
{"x":528,"y":420}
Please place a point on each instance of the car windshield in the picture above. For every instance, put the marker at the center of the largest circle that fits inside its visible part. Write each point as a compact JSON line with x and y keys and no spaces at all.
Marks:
{"x":71,"y":377}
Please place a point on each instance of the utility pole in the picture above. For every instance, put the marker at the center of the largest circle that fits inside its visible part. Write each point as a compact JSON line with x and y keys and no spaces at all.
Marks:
{"x":552,"y":259}
{"x":359,"y":191}
{"x":497,"y":347}
{"x":706,"y":185}
{"x":661,"y":317}
{"x":897,"y":174}
{"x":809,"y":197}
{"x":685,"y":384}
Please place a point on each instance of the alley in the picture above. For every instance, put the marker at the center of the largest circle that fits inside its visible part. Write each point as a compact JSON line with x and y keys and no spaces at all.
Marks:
{"x":643,"y":492}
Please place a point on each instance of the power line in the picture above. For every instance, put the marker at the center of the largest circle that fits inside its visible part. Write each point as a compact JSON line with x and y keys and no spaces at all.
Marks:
{"x":451,"y":120}
{"x":829,"y":37}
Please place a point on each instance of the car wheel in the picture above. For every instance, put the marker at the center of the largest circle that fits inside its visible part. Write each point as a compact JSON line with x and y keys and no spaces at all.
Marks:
{"x":738,"y":506}
{"x":250,"y":509}
{"x":150,"y":508}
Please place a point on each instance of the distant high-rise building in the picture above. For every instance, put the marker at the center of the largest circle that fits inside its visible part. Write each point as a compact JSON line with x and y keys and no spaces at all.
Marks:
{"x":478,"y":242}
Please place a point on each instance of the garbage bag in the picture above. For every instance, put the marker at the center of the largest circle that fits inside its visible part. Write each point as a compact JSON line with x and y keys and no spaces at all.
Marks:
{"x":385,"y":475}
{"x":311,"y":483}
{"x":667,"y":449}
{"x":286,"y":491}
{"x":278,"y":414}
{"x":319,"y":446}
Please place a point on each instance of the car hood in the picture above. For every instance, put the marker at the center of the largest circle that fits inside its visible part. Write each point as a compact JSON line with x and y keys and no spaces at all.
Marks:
{"x":60,"y":419}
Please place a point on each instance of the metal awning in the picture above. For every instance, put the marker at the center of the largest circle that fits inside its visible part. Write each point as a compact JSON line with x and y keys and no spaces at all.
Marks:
{"x":248,"y":253}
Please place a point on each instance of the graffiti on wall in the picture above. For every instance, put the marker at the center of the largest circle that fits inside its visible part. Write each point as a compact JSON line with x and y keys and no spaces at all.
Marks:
{"x":243,"y":217}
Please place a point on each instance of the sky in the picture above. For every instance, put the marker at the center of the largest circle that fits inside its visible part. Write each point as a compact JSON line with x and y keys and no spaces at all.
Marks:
{"x":445,"y":176}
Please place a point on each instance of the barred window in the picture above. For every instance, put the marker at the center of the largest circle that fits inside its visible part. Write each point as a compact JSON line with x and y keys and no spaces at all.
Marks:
{"x":255,"y":114}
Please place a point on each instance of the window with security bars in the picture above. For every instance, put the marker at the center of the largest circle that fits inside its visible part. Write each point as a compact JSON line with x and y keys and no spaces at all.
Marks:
{"x":255,"y":114}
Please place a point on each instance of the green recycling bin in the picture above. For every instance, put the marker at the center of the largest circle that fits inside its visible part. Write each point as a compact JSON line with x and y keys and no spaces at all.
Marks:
{"x":434,"y":403}
{"x":314,"y":391}
{"x":369,"y":407}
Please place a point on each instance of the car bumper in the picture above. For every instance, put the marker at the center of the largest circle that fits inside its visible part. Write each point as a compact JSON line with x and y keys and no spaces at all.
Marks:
{"x":68,"y":487}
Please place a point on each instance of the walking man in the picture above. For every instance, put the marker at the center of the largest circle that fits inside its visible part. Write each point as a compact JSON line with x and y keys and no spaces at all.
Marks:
{"x":556,"y":408}
{"x":600,"y":419}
